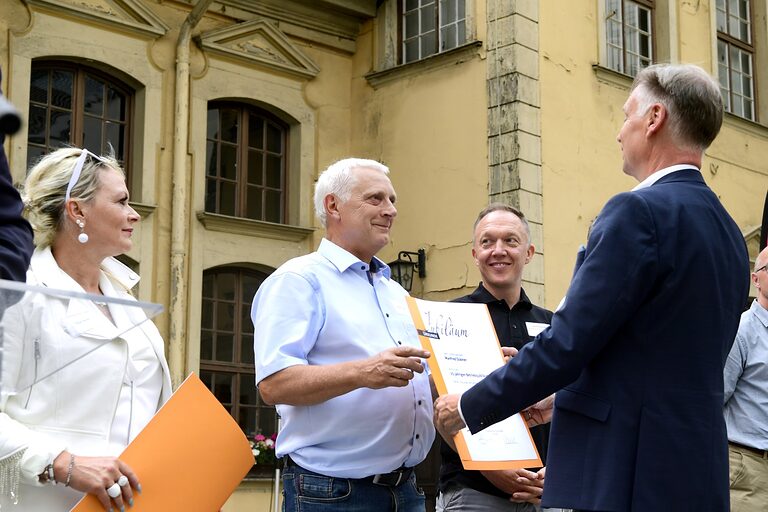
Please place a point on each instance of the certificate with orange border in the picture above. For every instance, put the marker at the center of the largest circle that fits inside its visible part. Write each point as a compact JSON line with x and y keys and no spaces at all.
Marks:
{"x":464,"y":349}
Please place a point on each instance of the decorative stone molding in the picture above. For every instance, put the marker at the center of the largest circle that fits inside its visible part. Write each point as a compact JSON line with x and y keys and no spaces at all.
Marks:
{"x":254,"y":228}
{"x":127,"y":15}
{"x":259,"y":43}
{"x":145,"y":210}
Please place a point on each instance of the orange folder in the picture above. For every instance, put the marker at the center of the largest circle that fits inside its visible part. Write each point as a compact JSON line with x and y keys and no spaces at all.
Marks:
{"x":190,"y":457}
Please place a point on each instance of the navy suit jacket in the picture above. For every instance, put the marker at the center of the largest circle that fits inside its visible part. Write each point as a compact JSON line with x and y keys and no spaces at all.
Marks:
{"x":636,"y":356}
{"x":15,"y":233}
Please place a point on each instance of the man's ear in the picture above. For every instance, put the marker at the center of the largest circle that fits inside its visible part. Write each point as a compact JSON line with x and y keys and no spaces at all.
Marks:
{"x":656,"y":118}
{"x":529,"y":253}
{"x":331,"y":204}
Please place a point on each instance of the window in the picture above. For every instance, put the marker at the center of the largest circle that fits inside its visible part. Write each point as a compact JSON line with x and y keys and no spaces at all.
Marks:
{"x":246,"y":152}
{"x":430,"y":26}
{"x":75,"y":105}
{"x":226,"y":348}
{"x":629,"y":35}
{"x":735,"y":57}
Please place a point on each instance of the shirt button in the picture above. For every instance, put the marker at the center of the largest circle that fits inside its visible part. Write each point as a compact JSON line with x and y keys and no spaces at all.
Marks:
{"x":417,"y":436}
{"x":419,"y":402}
{"x":399,"y":342}
{"x":386,"y":314}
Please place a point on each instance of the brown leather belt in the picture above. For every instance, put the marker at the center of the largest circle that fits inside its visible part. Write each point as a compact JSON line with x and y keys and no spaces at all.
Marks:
{"x":763,"y":454}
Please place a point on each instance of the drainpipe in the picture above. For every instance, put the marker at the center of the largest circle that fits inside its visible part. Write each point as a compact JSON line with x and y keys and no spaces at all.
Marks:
{"x":180,"y":199}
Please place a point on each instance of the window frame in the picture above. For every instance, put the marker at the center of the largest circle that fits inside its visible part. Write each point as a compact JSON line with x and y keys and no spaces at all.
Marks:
{"x":748,"y":47}
{"x":78,"y":114}
{"x":460,"y":41}
{"x":244,"y":112}
{"x":239,"y":371}
{"x":651,"y":6}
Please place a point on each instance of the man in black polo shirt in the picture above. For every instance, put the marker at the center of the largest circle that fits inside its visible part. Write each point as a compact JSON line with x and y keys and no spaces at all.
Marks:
{"x":501,"y":248}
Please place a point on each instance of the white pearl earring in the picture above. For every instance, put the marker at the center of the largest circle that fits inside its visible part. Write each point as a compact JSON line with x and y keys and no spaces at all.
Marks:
{"x":83,"y":236}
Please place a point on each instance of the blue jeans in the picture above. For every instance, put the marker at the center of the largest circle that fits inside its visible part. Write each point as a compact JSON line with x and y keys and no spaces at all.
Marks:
{"x":307,"y":491}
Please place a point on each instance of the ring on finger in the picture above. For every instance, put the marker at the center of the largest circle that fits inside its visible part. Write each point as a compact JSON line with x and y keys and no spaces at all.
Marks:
{"x":114,"y":490}
{"x":122,"y":481}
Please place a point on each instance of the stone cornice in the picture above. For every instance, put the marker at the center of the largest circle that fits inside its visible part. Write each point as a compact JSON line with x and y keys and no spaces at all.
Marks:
{"x":254,"y":228}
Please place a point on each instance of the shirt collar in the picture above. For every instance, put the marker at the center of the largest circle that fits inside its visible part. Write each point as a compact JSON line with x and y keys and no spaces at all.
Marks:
{"x":342,"y":259}
{"x":44,"y":264}
{"x":760,"y":312}
{"x":656,"y":176}
{"x":482,"y":295}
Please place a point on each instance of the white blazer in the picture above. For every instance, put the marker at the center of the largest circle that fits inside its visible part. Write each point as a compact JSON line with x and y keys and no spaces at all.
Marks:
{"x":72,"y":409}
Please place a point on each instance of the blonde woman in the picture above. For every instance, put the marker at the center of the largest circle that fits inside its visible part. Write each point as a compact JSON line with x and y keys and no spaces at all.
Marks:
{"x":60,"y":435}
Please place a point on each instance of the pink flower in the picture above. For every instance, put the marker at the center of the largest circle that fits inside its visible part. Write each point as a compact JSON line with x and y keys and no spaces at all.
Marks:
{"x":259,"y":438}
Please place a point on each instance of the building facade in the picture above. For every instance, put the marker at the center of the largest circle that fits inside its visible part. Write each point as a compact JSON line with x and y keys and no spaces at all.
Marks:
{"x":225,"y":111}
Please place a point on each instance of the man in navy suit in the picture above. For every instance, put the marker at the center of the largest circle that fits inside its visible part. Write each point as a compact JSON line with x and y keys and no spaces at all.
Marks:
{"x":636,"y":352}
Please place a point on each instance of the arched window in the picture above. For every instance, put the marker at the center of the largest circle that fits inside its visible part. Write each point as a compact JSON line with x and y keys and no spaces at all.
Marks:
{"x":70,"y":104}
{"x":246,"y":159}
{"x":226,"y":347}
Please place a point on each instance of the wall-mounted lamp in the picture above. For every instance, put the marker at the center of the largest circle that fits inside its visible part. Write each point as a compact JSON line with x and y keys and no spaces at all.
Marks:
{"x":402,"y":267}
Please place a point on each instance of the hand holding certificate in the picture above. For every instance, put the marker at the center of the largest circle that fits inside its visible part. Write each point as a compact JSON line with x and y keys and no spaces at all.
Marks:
{"x":464,"y":349}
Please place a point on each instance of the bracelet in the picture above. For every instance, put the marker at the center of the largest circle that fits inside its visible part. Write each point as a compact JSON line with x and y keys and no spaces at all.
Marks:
{"x":47,"y":475}
{"x":69,"y":469}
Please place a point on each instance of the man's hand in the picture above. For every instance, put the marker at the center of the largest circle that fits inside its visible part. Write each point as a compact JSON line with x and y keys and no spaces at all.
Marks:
{"x":540,"y":412}
{"x":392,"y":367}
{"x":508,"y":480}
{"x":532,"y":487}
{"x":508,"y":353}
{"x":447,"y":418}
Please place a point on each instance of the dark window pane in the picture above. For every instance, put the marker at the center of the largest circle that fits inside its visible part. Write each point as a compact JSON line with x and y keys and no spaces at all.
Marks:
{"x":461,"y":33}
{"x":116,"y":137}
{"x":61,"y":89}
{"x":222,"y":384}
{"x":256,"y":132}
{"x":61,"y":123}
{"x":210,"y":195}
{"x":225,"y":286}
{"x":92,"y":134}
{"x":428,"y":44}
{"x":246,"y":349}
{"x":94,"y":96}
{"x":411,"y":24}
{"x":462,"y":13}
{"x":228,"y":165}
{"x":206,"y":345}
{"x":255,"y":168}
{"x":250,"y":286}
{"x":210,"y":157}
{"x":38,"y":87}
{"x":274,"y":172}
{"x":33,"y":155}
{"x":272,"y":207}
{"x":447,"y":12}
{"x":115,"y":105}
{"x":248,"y":395}
{"x":213,"y":123}
{"x":206,"y":320}
{"x":247,"y":420}
{"x":267,"y":421}
{"x":411,"y":4}
{"x":254,"y":203}
{"x":428,"y":18}
{"x":207,"y":378}
{"x":225,"y":347}
{"x":36,"y":124}
{"x":227,"y":198}
{"x":208,"y":285}
{"x":225,"y":317}
{"x":274,"y":139}
{"x":246,"y":325}
{"x":229,"y":125}
{"x":412,"y":50}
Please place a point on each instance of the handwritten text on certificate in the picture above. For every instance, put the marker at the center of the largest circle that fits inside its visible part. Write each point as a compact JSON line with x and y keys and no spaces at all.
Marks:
{"x":464,"y":350}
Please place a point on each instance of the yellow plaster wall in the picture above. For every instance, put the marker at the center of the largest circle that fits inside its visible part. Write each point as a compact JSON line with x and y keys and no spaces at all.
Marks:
{"x":581,"y":115}
{"x":430,"y":129}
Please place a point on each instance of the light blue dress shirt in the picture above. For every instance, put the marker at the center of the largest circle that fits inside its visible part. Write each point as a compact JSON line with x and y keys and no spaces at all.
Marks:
{"x":325,"y":308}
{"x":746,"y":381}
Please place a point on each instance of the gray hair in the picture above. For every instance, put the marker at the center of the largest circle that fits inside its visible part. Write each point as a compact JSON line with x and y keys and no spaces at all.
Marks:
{"x":44,"y":190}
{"x":338,"y":180}
{"x":690,"y":95}
{"x":501,"y":207}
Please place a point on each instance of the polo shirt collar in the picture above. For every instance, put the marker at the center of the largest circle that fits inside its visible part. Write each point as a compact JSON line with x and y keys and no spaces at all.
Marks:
{"x":483,"y":296}
{"x":760,"y":312}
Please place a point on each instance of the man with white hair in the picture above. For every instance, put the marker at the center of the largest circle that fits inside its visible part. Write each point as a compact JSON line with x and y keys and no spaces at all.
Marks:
{"x":337,"y":352}
{"x":636,"y":352}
